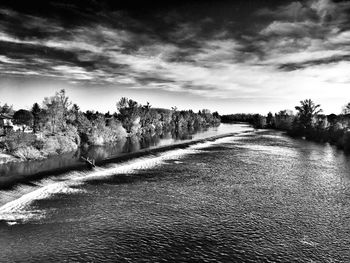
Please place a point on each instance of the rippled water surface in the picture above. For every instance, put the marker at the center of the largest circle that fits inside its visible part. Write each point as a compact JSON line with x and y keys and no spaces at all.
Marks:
{"x":255,"y":197}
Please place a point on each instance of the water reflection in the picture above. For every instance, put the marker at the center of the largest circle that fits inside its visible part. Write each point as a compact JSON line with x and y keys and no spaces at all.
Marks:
{"x":129,"y":145}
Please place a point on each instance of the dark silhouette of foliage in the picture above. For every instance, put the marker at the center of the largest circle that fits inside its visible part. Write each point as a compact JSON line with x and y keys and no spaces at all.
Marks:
{"x":23,"y":117}
{"x":308,"y":123}
{"x":306,"y":111}
{"x":36,"y":110}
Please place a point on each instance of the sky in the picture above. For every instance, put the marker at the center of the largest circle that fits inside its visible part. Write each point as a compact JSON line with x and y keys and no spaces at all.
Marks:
{"x":226,"y":56}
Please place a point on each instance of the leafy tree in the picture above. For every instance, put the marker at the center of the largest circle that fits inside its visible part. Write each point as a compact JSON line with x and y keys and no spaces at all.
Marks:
{"x":346,"y":109}
{"x":72,"y":115}
{"x":306,"y":111}
{"x":57,"y":109}
{"x":108,"y":115}
{"x":36,"y":110}
{"x":6,"y":109}
{"x":269,"y":119}
{"x":129,"y":113}
{"x":23,"y":117}
{"x":146,"y":116}
{"x":175,"y":117}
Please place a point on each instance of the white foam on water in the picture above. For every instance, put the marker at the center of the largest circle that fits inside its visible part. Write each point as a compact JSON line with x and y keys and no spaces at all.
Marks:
{"x":20,"y":209}
{"x":142,"y":163}
{"x":18,"y":202}
{"x":307,"y":241}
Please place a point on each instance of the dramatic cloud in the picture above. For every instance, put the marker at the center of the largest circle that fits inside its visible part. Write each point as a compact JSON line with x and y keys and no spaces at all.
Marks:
{"x":265,"y":54}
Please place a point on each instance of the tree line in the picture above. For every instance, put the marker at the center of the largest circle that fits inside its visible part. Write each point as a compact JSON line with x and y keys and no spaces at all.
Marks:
{"x":309,"y":122}
{"x":58,"y":125}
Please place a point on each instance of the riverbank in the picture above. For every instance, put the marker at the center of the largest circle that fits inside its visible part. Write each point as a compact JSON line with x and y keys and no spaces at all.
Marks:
{"x":21,"y":146}
{"x":7,"y":158}
{"x":11,"y":180}
{"x":331,"y":129}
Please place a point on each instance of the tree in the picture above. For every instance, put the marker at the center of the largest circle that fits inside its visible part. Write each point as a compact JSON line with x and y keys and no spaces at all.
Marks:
{"x":23,"y":117}
{"x":175,"y":117}
{"x":72,"y":115}
{"x":306,"y":112}
{"x":269,"y":119}
{"x":346,"y":109}
{"x":75,"y":108}
{"x":7,"y":109}
{"x":64,"y":102}
{"x":146,"y":116}
{"x":36,"y":116}
{"x":108,"y":115}
{"x":130,"y":112}
{"x":147,"y":106}
{"x":57,"y":109}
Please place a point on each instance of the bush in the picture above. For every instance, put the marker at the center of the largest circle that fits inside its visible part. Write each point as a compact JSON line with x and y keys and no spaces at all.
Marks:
{"x":72,"y":134}
{"x":58,"y":144}
{"x":51,"y":145}
{"x":16,"y":140}
{"x":96,"y":138}
{"x":28,"y":153}
{"x":66,"y":144}
{"x":102,"y":134}
{"x":117,"y":130}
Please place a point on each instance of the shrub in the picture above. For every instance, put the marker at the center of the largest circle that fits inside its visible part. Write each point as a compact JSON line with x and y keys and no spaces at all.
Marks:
{"x":59,"y":144}
{"x":117,"y":130}
{"x":95,"y":138}
{"x":72,"y":134}
{"x":102,"y":134}
{"x":16,"y":140}
{"x":66,"y":144}
{"x":27,"y":153}
{"x":51,"y":145}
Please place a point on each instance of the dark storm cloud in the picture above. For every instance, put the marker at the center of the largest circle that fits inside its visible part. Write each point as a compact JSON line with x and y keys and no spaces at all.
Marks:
{"x":210,"y":48}
{"x":117,"y":45}
{"x":305,"y":64}
{"x":309,"y":31}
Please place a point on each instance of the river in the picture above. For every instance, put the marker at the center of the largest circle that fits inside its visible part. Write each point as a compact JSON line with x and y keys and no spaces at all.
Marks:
{"x":258,"y":196}
{"x":12,"y":173}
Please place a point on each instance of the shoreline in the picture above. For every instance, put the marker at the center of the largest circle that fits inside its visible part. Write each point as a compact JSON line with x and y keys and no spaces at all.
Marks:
{"x":8,"y":182}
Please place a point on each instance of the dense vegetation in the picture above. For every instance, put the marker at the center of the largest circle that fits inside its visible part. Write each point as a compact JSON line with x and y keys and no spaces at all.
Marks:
{"x":58,"y":126}
{"x":308,"y":123}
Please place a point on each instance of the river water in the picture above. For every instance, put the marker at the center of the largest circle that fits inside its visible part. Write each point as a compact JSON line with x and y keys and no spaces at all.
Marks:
{"x":259,"y":196}
{"x":19,"y":170}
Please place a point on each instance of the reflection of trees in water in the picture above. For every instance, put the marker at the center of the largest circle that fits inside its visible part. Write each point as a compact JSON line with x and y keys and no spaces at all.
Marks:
{"x":32,"y":167}
{"x":103,"y":152}
{"x":77,"y":153}
{"x":149,"y":140}
{"x":135,"y":143}
{"x":186,"y":134}
{"x":180,"y":135}
{"x":131,"y":144}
